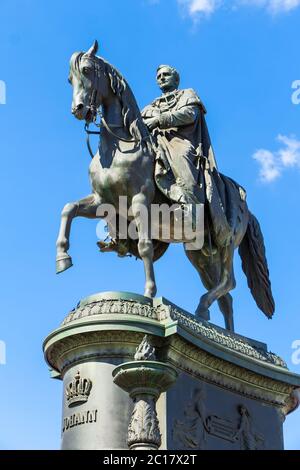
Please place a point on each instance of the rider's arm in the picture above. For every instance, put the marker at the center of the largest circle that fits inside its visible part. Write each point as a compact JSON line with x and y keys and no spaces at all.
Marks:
{"x":181,"y":117}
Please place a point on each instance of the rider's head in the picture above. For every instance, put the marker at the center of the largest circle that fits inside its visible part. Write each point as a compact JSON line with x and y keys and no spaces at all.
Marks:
{"x":167,"y":78}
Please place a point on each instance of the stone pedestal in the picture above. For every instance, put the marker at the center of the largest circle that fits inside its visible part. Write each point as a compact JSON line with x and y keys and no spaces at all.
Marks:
{"x":204,"y":388}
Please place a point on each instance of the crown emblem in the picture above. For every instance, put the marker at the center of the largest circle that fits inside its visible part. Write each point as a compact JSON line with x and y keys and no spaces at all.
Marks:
{"x":78,"y":390}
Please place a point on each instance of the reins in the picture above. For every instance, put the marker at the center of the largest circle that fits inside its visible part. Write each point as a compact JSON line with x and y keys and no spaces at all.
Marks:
{"x":103,"y":123}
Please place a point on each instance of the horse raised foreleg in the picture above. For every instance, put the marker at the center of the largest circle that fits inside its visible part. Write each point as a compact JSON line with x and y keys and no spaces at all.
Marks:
{"x":141,"y":215}
{"x":85,"y":207}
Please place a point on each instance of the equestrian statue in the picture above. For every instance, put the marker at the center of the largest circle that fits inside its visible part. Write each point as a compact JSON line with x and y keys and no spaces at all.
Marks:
{"x":163,"y":156}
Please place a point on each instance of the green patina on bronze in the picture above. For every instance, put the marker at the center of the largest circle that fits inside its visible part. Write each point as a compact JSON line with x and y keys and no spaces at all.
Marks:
{"x":129,"y":312}
{"x":164,"y":155}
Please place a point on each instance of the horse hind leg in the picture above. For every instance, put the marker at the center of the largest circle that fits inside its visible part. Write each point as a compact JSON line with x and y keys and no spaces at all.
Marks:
{"x":86,"y":207}
{"x":209,"y":270}
{"x":226,"y":306}
{"x":225,"y":283}
{"x":209,"y":275}
{"x":209,"y":280}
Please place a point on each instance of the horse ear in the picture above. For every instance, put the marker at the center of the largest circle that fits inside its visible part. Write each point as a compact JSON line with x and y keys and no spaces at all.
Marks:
{"x":93,"y":50}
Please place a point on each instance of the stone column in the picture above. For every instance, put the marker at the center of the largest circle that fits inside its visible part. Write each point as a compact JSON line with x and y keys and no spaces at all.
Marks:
{"x":144,"y":381}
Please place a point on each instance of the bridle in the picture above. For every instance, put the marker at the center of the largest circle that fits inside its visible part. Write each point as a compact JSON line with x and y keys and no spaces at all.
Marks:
{"x":95,"y":112}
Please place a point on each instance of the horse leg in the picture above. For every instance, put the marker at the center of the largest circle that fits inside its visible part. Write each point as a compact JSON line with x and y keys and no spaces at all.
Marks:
{"x":209,"y":270}
{"x":140,"y":210}
{"x":86,"y":207}
{"x":225,"y":284}
{"x":209,"y":279}
{"x":226,"y":306}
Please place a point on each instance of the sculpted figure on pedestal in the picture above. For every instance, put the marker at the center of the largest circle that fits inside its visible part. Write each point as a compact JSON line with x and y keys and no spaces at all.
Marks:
{"x":185,"y":164}
{"x":162,"y":156}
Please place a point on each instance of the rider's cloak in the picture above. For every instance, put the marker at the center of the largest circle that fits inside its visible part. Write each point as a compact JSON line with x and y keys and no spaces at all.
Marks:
{"x":183,"y":133}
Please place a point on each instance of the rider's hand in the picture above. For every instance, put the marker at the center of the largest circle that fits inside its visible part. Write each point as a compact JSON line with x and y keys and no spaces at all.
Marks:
{"x":152,"y":123}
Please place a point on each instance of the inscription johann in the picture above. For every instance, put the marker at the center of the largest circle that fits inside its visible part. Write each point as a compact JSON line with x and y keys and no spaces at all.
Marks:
{"x":77,"y":419}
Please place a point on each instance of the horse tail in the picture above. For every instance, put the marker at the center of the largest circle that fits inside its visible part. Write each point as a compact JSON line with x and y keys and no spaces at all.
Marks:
{"x":254,"y":263}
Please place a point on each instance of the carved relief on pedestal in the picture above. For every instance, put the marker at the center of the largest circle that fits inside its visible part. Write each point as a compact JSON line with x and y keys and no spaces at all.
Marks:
{"x":144,"y":379}
{"x":145,"y":351}
{"x":77,"y":393}
{"x":192,"y":431}
{"x":248,"y":437}
{"x":78,"y":390}
{"x":144,"y":425}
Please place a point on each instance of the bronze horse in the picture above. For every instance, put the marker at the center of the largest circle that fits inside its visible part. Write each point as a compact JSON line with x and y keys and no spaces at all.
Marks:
{"x":124,"y":165}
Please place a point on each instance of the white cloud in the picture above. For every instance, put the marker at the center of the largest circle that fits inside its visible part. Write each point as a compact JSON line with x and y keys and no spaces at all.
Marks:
{"x":272,"y":164}
{"x":273,"y":6}
{"x":196,"y":8}
{"x":290,"y":155}
{"x":269,"y":170}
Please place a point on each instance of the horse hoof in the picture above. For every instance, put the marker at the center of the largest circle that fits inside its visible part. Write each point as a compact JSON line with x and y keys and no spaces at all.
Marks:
{"x":150,"y":293}
{"x":202,"y":314}
{"x":62,"y":264}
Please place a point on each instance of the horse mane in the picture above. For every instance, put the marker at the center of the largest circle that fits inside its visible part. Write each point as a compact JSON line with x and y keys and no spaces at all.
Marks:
{"x":132,"y":119}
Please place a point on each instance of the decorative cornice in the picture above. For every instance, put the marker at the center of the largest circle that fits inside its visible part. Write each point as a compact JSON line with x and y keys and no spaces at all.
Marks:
{"x":196,"y":347}
{"x":291,"y":403}
{"x":162,"y":311}
{"x":224,"y":338}
{"x":177,"y":352}
{"x":112,"y":344}
{"x":212,"y":369}
{"x":120,"y":307}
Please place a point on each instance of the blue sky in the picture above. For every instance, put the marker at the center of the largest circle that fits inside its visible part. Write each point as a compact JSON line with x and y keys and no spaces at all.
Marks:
{"x":242,"y":58}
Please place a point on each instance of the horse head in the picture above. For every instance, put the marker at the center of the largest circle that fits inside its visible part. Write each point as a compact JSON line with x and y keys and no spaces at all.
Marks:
{"x":97,"y":83}
{"x":91,"y":88}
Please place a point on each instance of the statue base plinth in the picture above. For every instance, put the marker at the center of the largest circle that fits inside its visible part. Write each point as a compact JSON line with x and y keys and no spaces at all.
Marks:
{"x":229,"y":392}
